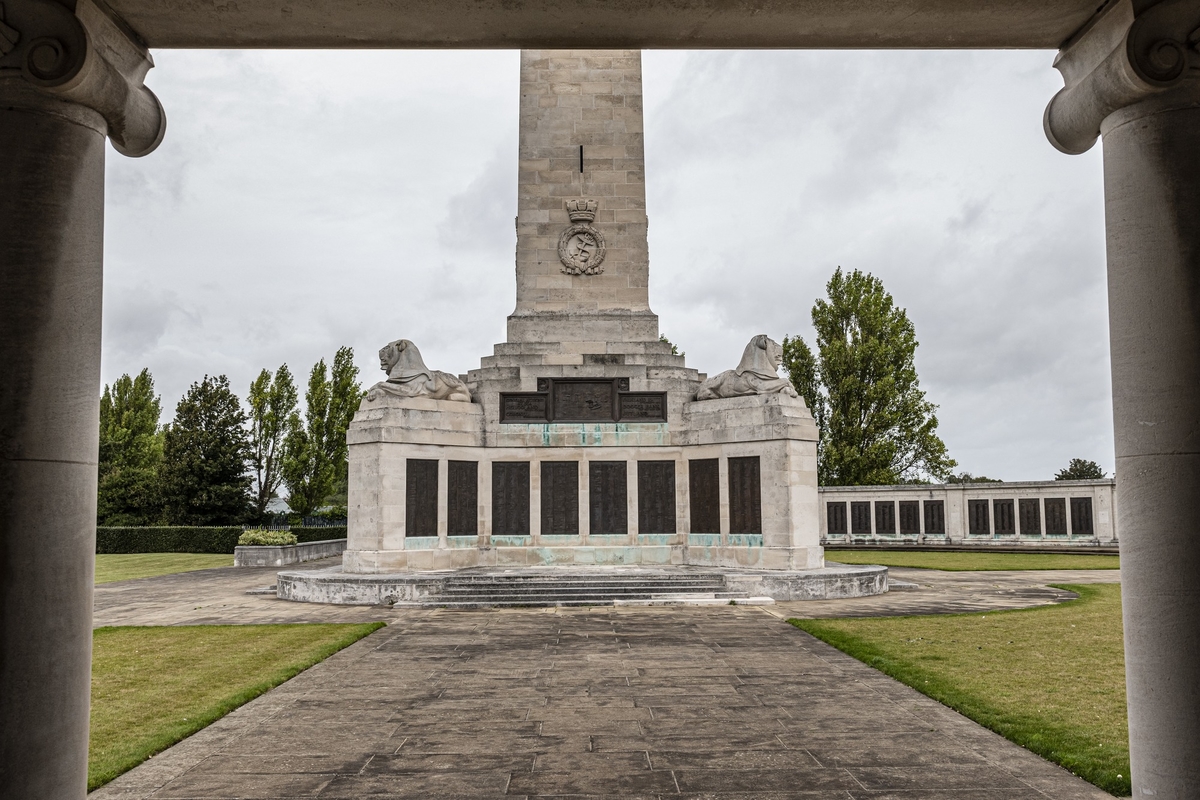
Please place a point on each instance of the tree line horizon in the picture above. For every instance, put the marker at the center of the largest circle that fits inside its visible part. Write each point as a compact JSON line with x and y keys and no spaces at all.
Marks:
{"x":216,"y":463}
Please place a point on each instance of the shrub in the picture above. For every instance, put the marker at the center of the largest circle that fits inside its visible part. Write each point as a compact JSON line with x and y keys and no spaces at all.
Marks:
{"x":176,"y":539}
{"x":318,"y":534}
{"x":269,"y":538}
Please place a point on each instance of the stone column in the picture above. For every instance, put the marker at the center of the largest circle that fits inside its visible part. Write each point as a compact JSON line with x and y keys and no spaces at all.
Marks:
{"x":1133,"y":76}
{"x":66,"y":81}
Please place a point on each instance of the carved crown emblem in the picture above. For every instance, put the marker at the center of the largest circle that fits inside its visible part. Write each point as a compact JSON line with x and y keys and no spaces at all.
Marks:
{"x":582,"y":210}
{"x":581,"y":246}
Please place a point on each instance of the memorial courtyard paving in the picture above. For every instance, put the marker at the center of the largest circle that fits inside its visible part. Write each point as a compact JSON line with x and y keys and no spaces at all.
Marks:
{"x":717,"y":702}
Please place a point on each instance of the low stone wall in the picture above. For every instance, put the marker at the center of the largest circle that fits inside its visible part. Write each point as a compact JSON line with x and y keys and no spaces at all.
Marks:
{"x":282,"y":555}
{"x":1039,"y":514}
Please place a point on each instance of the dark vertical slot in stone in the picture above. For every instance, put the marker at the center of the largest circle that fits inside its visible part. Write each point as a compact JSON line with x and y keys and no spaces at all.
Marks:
{"x":608,"y":497}
{"x":560,"y":498}
{"x":745,"y":495}
{"x":1006,"y":523}
{"x":977,"y":518}
{"x":462,"y":489}
{"x":935,"y":518}
{"x":1081,"y":516}
{"x":420,"y":497}
{"x":704,"y":489}
{"x":1056,"y":516}
{"x":885,"y":516}
{"x":510,"y":498}
{"x":1030,"y":513}
{"x":860,"y":519}
{"x":656,"y":497}
{"x":910,"y":517}
{"x":835,"y":517}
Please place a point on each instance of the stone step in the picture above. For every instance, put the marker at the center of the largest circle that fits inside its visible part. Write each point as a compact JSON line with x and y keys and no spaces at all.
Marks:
{"x":581,"y":589}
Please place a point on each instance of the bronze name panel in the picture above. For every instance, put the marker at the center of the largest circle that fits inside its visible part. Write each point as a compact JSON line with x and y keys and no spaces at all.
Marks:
{"x":583,"y":400}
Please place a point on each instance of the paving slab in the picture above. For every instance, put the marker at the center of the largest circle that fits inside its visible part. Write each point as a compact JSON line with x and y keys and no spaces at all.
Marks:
{"x":717,"y":703}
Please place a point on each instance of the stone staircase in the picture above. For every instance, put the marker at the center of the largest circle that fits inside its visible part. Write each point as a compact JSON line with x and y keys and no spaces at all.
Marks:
{"x":584,"y":588}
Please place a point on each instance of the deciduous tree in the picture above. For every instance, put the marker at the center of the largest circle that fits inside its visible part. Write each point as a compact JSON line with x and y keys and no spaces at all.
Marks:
{"x":1080,"y":470}
{"x":316,"y":463}
{"x":876,"y":426}
{"x":131,"y":451}
{"x":273,"y":412}
{"x":204,"y":478}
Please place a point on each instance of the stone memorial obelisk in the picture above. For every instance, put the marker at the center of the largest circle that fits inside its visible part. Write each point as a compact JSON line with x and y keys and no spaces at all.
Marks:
{"x":582,"y":440}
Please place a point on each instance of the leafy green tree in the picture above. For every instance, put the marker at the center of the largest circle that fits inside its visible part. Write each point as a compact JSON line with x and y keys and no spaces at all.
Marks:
{"x":273,"y":412}
{"x":204,"y":479}
{"x":316,"y":465}
{"x":131,"y":451}
{"x":1080,"y":470}
{"x":876,"y":427}
{"x":966,"y":477}
{"x":662,"y":337}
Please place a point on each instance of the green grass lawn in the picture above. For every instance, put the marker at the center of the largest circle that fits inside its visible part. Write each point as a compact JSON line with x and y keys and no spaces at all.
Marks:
{"x":1051,"y":679}
{"x":958,"y":562}
{"x":152,"y":687}
{"x":123,"y":566}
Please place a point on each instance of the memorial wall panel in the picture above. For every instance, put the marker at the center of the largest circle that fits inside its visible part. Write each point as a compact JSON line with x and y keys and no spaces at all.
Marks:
{"x":1056,"y":516}
{"x":462,"y":500}
{"x":583,"y":401}
{"x":885,"y":517}
{"x":910,"y":517}
{"x":860,"y":519}
{"x":510,"y":498}
{"x":704,"y":491}
{"x":1004,"y":518}
{"x":1081,"y":516}
{"x":978,"y":522}
{"x":420,"y":497}
{"x":1030,"y":511}
{"x":608,"y":497}
{"x":935,"y":518}
{"x":835,"y":518}
{"x":745,"y":495}
{"x":656,"y":497}
{"x":560,"y":498}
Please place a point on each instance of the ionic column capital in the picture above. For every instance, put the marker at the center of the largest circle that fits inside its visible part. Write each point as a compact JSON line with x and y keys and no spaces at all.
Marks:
{"x":1131,"y":51}
{"x":83,"y":56}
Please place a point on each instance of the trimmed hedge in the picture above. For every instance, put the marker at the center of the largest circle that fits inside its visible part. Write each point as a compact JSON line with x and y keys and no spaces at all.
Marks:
{"x":181,"y":539}
{"x":318,"y":534}
{"x":260,"y":538}
{"x":176,"y":539}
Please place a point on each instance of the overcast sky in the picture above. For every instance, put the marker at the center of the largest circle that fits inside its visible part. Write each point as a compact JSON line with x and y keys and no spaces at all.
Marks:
{"x":307,"y":200}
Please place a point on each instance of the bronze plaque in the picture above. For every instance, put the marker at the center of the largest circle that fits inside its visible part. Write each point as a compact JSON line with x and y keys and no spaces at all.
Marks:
{"x":462,"y":507}
{"x":835,"y":518}
{"x":910,"y":517}
{"x":1004,"y":518}
{"x":524,"y":408}
{"x":935,"y":517}
{"x":510,"y":498}
{"x":704,"y":488}
{"x":643,"y":407}
{"x":583,"y":401}
{"x":745,"y":495}
{"x":608,"y":508}
{"x":420,"y":497}
{"x":860,"y":518}
{"x":1056,"y":516}
{"x":885,"y":517}
{"x":560,"y":498}
{"x":656,"y":497}
{"x":1030,"y":512}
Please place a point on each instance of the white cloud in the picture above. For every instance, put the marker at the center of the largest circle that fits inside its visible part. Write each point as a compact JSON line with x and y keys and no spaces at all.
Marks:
{"x":306,"y":200}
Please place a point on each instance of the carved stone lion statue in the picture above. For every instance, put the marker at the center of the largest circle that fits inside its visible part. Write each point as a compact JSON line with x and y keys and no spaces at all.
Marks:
{"x":757,"y":373}
{"x":407,"y":376}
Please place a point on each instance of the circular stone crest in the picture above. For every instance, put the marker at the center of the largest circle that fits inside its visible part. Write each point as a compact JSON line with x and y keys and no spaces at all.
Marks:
{"x":581,"y":250}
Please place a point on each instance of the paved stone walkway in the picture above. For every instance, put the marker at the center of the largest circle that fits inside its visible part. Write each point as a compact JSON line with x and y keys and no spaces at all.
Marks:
{"x":708,"y":703}
{"x":218,"y":596}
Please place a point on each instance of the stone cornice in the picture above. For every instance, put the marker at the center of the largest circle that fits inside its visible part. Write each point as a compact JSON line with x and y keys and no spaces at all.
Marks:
{"x":86,"y":57}
{"x":1130,"y":52}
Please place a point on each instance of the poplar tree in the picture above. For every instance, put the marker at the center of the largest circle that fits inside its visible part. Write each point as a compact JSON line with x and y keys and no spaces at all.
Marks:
{"x":876,"y":426}
{"x":316,"y":465}
{"x":204,"y":479}
{"x":131,"y":452}
{"x":273,"y":412}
